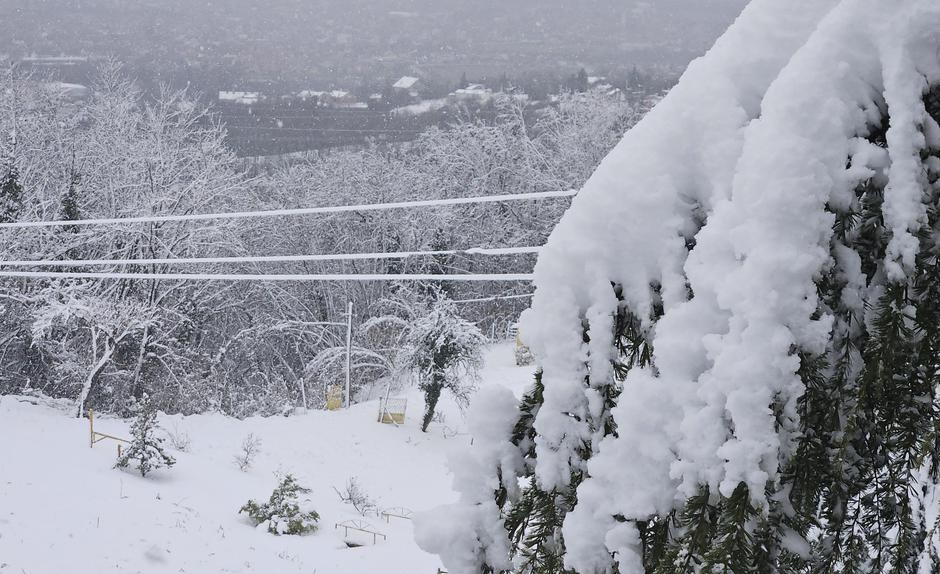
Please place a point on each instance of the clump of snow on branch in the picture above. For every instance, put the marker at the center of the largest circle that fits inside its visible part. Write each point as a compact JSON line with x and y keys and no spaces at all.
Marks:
{"x":471,"y":532}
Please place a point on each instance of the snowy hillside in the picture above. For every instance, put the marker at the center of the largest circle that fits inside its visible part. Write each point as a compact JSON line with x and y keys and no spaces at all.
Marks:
{"x":63,"y":508}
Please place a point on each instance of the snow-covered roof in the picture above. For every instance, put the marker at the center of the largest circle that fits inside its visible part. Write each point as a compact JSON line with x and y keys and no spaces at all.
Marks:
{"x":473,"y":91}
{"x":406,"y":83}
{"x":239,"y":97}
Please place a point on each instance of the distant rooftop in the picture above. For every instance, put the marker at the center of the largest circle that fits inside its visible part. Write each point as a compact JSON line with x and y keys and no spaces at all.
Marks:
{"x":406,"y":83}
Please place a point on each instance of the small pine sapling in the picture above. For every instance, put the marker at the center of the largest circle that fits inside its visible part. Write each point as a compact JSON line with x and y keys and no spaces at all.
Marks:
{"x":251,"y":446}
{"x":285,"y":512}
{"x":145,"y":447}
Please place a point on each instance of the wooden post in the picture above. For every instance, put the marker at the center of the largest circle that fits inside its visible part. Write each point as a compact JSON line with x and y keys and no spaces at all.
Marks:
{"x":91,"y":428}
{"x":349,"y":319}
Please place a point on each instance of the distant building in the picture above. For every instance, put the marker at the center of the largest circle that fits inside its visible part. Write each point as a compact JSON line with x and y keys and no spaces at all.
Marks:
{"x":407,"y":84}
{"x":331,"y":99}
{"x":243,"y":98}
{"x":340,"y":98}
{"x":407,"y":90}
{"x":472,"y":94}
{"x":310,"y":95}
{"x":600,"y":84}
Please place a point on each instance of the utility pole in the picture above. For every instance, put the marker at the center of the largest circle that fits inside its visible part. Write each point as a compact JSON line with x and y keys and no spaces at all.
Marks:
{"x":349,"y":319}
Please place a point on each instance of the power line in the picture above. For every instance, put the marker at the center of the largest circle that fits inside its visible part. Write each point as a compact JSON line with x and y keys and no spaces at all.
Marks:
{"x":268,"y":258}
{"x":296,"y":211}
{"x":508,"y":277}
{"x":496,"y":298}
{"x":378,"y":131}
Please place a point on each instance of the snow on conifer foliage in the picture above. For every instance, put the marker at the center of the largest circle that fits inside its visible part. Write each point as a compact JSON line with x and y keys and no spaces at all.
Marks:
{"x":146,"y":449}
{"x":738,"y":322}
{"x":444,"y":351}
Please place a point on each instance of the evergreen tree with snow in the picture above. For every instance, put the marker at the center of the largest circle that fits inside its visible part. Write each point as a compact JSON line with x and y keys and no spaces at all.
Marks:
{"x":444,"y":351}
{"x":70,"y":210}
{"x":772,"y":405}
{"x":285,"y":512}
{"x":11,"y":194}
{"x":146,"y":450}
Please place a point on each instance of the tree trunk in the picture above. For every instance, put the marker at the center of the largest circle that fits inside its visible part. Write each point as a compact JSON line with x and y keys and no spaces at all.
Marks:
{"x":92,"y":377}
{"x":137,"y":389}
{"x":432,"y":393}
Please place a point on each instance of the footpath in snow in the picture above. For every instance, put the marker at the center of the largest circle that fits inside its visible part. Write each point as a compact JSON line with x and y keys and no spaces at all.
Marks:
{"x":63,"y":508}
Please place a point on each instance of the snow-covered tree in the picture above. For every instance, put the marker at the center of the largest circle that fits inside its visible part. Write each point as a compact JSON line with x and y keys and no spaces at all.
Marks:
{"x":444,"y":351}
{"x":146,"y":449}
{"x":285,"y":512}
{"x":259,"y":348}
{"x":84,"y":334}
{"x":774,"y":252}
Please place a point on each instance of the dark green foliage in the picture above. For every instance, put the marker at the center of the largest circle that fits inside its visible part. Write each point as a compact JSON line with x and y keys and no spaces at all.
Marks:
{"x":732,"y":542}
{"x":145,"y":448}
{"x":697,"y":523}
{"x":11,"y":195}
{"x":70,"y":207}
{"x":534,"y":524}
{"x":284,"y":512}
{"x":534,"y":521}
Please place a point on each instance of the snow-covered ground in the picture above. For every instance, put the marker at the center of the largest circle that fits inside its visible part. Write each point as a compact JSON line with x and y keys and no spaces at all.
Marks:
{"x":63,"y":508}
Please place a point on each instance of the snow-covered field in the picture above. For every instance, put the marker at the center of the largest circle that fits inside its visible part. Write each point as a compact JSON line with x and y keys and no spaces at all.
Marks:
{"x":64,"y":509}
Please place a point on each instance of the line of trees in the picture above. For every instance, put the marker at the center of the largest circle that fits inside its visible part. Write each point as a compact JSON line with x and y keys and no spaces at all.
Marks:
{"x":250,"y":348}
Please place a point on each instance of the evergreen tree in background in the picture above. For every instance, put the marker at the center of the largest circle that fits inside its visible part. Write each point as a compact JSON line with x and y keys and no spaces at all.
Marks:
{"x":145,"y":447}
{"x":69,"y":203}
{"x":11,"y":195}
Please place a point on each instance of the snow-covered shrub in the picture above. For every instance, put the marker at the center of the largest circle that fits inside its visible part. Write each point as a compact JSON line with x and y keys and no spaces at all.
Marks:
{"x":251,"y":446}
{"x":738,"y":323}
{"x":285,"y":512}
{"x":146,"y":448}
{"x":179,"y":439}
{"x":444,"y":351}
{"x":523,"y":355}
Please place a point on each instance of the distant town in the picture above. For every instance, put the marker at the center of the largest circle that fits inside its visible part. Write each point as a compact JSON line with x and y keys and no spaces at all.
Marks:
{"x":273,"y":119}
